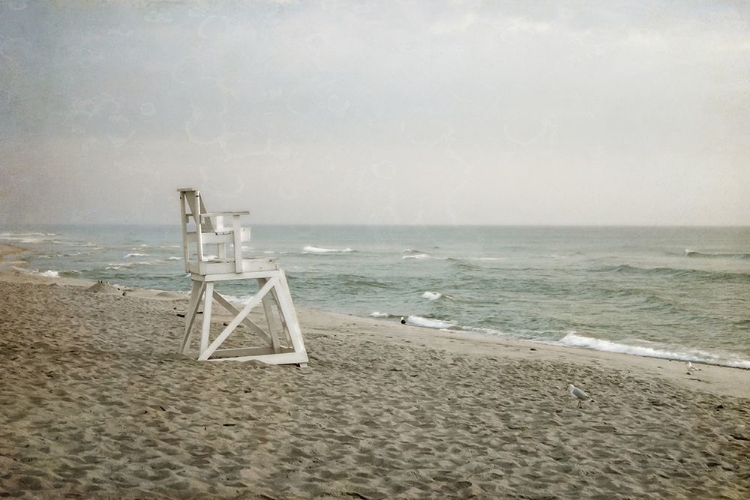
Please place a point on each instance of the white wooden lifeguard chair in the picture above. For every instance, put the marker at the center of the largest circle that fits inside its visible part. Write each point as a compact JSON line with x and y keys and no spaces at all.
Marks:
{"x":282,"y":336}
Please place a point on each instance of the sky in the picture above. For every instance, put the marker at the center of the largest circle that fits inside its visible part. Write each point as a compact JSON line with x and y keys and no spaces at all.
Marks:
{"x":391,"y":112}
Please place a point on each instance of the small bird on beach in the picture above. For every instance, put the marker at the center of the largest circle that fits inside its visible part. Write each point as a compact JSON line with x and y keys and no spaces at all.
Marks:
{"x":579,"y":394}
{"x":403,"y":321}
{"x":690,"y":368}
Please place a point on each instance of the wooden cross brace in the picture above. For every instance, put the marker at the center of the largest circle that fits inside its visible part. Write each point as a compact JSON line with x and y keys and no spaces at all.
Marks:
{"x":273,"y":283}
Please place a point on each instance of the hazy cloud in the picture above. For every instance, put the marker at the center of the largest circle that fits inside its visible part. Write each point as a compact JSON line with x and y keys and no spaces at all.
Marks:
{"x":377,"y":112}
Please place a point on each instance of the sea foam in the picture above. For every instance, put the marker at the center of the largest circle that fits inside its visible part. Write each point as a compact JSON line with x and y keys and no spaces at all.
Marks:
{"x":575,"y":340}
{"x":319,"y":250}
{"x":428,"y":323}
{"x":704,"y":255}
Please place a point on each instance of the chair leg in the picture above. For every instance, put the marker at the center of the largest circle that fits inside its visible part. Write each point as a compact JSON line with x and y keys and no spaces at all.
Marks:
{"x":207,"y":303}
{"x":275,"y":345}
{"x":195,"y":299}
{"x":290,"y":316}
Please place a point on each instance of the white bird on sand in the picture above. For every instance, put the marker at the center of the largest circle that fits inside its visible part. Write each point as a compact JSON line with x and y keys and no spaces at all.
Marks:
{"x":579,"y":394}
{"x":690,"y":368}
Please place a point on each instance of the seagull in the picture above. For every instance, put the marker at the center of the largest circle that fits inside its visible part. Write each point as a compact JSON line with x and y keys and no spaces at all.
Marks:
{"x":578,"y":393}
{"x":403,"y":321}
{"x":690,"y":368}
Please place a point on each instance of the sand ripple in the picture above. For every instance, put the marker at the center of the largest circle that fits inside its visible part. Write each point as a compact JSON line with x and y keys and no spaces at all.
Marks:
{"x":95,"y":402}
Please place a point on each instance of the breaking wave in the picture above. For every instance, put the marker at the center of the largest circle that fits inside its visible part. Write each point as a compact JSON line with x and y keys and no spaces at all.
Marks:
{"x":574,"y":340}
{"x":701,"y":255}
{"x":319,"y":250}
{"x":699,"y":274}
{"x":428,"y":323}
{"x":418,"y":256}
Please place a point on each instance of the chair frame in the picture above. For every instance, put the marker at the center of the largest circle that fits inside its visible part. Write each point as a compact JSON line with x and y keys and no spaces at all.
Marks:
{"x":273,"y":290}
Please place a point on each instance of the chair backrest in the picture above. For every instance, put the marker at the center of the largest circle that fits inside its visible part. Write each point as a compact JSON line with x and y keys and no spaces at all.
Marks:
{"x":201,"y":227}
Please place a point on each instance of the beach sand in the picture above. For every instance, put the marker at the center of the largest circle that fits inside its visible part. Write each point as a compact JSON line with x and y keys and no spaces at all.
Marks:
{"x":96,"y":403}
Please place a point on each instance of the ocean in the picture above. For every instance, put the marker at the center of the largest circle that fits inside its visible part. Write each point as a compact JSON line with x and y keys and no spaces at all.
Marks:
{"x":676,"y":293}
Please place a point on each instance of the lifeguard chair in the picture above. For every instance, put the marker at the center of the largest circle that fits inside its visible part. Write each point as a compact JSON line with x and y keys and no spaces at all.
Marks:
{"x":281,"y":337}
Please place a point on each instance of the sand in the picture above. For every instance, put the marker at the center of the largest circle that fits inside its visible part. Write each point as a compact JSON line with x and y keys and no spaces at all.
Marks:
{"x":95,"y":403}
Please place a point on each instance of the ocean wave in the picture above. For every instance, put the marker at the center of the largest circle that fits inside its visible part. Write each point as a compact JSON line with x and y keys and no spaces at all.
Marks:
{"x":429,"y":323}
{"x":572,"y":339}
{"x":174,"y":258}
{"x":412,"y":250}
{"x":135,"y":254}
{"x":701,"y":255}
{"x":418,"y":256}
{"x":416,"y":320}
{"x":435,"y":296}
{"x":238,"y":300}
{"x":356,"y":281}
{"x":27,"y":237}
{"x":319,"y":250}
{"x":699,"y":274}
{"x":465,"y":265}
{"x":47,"y":274}
{"x":129,"y":265}
{"x":485,"y":331}
{"x":25,"y":233}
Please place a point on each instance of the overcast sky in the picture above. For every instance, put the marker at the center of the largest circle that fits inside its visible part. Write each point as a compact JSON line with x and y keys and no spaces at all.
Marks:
{"x":399,"y":112}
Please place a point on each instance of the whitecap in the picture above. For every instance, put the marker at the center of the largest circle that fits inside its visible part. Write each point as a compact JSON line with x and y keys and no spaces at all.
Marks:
{"x":432,"y":295}
{"x":575,"y":340}
{"x":238,"y":300}
{"x":378,"y":314}
{"x":174,"y":258}
{"x":50,"y":274}
{"x":416,"y":256}
{"x":319,"y":250}
{"x":135,"y":254}
{"x":428,"y":323}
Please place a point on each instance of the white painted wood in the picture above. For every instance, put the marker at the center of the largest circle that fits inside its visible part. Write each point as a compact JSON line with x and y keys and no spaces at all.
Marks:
{"x":206,"y":353}
{"x":268,"y":311}
{"x":249,"y":266}
{"x":195,"y":299}
{"x":237,"y":230}
{"x":200,"y":228}
{"x":253,"y":327}
{"x":208,"y":300}
{"x":287,"y":308}
{"x":287,"y":358}
{"x":284,"y":326}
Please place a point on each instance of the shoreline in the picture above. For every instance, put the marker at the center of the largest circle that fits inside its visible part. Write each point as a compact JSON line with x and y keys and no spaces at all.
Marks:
{"x":720,"y":379}
{"x":98,"y":404}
